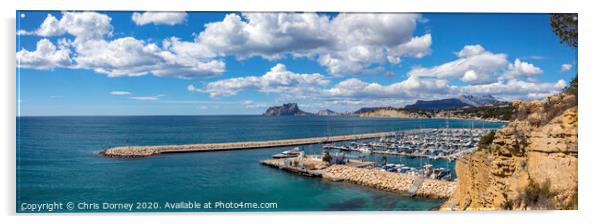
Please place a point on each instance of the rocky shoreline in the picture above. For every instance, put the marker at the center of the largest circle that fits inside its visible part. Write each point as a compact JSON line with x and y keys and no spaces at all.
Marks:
{"x":405,"y":184}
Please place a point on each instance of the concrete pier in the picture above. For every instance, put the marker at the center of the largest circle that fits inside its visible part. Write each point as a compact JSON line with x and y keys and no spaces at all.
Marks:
{"x":142,"y":151}
{"x":281,"y":164}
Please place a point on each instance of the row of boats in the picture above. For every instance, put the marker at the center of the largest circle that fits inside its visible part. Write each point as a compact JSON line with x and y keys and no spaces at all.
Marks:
{"x":430,"y":143}
{"x":426,"y":171}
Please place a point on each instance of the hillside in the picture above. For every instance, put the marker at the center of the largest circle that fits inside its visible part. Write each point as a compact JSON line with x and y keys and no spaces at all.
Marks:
{"x":462,"y":101}
{"x":491,"y":113}
{"x":530,"y":164}
{"x":438,"y":104}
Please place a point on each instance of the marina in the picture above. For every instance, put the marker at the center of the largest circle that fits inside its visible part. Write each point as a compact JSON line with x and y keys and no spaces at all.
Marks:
{"x":337,"y":162}
{"x":445,"y":143}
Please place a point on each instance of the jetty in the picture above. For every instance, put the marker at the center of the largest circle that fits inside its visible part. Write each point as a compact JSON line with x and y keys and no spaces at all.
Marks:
{"x":143,"y":151}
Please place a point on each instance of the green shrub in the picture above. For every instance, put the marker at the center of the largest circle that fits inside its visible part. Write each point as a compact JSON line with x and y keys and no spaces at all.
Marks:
{"x":327,"y":157}
{"x":486,"y":140}
{"x":573,"y":87}
{"x":539,"y":196}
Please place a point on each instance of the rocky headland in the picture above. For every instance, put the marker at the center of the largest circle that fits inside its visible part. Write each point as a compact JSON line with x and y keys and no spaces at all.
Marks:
{"x":530,"y":164}
{"x":287,"y":109}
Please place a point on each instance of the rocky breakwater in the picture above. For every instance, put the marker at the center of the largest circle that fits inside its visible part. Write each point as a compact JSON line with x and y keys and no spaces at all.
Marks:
{"x":393,"y":182}
{"x":142,"y":151}
{"x":132,"y":151}
{"x":530,"y":164}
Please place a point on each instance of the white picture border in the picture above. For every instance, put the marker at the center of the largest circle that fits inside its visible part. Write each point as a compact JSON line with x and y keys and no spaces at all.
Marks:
{"x":591,"y":79}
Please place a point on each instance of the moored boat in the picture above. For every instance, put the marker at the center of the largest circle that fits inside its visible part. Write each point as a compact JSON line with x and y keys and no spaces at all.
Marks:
{"x":295,"y":152}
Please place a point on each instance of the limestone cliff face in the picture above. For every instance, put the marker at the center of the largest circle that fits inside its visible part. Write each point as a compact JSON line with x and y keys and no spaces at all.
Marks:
{"x":539,"y":148}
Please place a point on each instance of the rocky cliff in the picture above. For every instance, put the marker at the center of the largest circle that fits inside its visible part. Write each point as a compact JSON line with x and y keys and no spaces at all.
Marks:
{"x":531,"y":163}
{"x":287,"y":109}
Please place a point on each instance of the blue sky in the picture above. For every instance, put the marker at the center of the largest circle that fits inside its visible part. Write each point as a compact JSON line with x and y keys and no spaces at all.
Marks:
{"x":141,"y":63}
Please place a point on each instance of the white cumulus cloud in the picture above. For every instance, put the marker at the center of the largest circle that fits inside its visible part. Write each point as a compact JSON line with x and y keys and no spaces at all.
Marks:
{"x":470,"y":50}
{"x":278,"y":80}
{"x":346,"y":43}
{"x":159,"y":18}
{"x":126,"y":56}
{"x":565,"y":67}
{"x":412,"y":87}
{"x":82,"y":25}
{"x":514,"y":89}
{"x":45,"y":56}
{"x":132,"y":57}
{"x":475,"y":65}
{"x":521,"y":69}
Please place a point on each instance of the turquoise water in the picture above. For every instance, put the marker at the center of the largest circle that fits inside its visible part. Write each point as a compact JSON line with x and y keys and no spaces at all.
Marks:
{"x":58,"y":162}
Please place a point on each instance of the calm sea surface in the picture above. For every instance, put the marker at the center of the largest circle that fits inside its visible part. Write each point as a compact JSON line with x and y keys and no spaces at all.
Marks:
{"x":58,"y":161}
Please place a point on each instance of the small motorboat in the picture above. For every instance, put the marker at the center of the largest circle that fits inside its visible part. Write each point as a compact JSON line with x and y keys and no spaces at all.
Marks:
{"x":295,"y":152}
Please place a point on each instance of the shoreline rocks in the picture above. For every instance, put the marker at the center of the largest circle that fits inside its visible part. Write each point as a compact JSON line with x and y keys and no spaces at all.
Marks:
{"x":393,"y":182}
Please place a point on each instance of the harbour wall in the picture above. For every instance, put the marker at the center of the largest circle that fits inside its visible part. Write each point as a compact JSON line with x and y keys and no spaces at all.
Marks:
{"x":143,"y":151}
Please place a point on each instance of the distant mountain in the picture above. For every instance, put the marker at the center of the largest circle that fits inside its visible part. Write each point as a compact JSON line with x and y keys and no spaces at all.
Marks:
{"x":477,"y":101}
{"x":327,"y":112}
{"x":288,"y":109}
{"x":463,"y":101}
{"x":438,"y":104}
{"x":462,"y":107}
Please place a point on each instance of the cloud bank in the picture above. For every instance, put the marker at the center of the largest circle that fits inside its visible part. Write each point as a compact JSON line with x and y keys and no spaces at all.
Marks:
{"x":344,"y":44}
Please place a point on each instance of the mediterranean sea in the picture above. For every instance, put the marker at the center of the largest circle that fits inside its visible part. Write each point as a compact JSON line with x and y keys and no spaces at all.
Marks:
{"x":58,"y":162}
